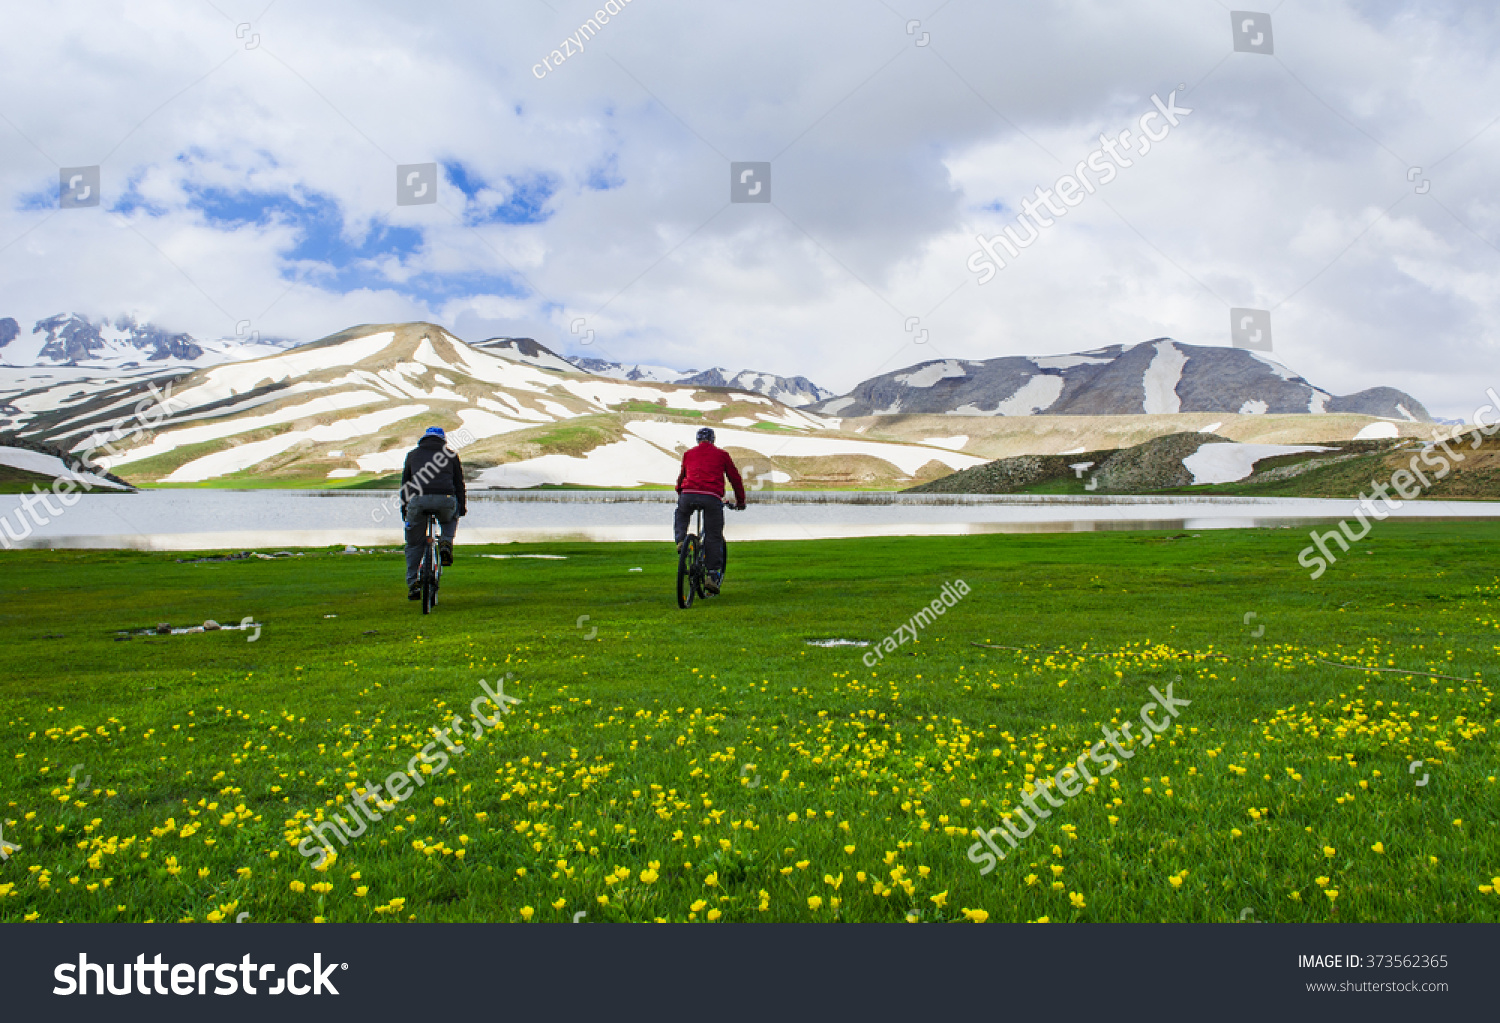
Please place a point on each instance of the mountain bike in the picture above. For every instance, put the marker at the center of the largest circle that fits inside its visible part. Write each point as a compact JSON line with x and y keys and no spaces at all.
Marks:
{"x":692,"y":562}
{"x":432,"y":565}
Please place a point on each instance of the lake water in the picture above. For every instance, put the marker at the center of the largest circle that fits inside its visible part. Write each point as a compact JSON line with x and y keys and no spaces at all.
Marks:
{"x":240,"y":519}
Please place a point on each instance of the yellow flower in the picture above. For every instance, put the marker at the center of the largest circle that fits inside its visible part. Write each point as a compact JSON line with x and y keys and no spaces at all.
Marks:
{"x":1235,"y":832}
{"x":361,"y":891}
{"x":526,"y":913}
{"x":1076,"y":900}
{"x":848,"y":850}
{"x":1030,"y":880}
{"x":979,"y":916}
{"x":714,"y":914}
{"x":1321,"y":882}
{"x":814,"y":902}
{"x":940,"y":899}
{"x":322,"y":887}
{"x":1057,"y":870}
{"x":1378,"y":848}
{"x":712,"y":880}
{"x":1332,"y":894}
{"x":603,"y":900}
{"x":697,"y":907}
{"x":1058,"y":886}
{"x":1329,"y":851}
{"x":439,"y":801}
{"x":1296,"y":896}
{"x":560,"y":903}
{"x":244,"y":872}
{"x":298,"y":886}
{"x":202,"y":871}
{"x":649,"y":876}
{"x":1175,"y":881}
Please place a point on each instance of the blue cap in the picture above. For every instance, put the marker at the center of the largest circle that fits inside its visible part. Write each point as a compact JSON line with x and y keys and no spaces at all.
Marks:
{"x":705,"y":435}
{"x":434,"y":431}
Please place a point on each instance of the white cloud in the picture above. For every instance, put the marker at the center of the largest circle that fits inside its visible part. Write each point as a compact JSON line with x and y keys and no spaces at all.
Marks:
{"x":886,"y":157}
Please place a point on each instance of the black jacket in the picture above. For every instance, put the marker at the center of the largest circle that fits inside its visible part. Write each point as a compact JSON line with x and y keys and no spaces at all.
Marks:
{"x":432,"y":468}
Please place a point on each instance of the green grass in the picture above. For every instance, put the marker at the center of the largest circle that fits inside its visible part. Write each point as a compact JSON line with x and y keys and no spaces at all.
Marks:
{"x":716,"y":745}
{"x":653,"y":408}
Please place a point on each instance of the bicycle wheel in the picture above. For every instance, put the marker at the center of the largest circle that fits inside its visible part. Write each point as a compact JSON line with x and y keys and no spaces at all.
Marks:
{"x":429,"y":571}
{"x":685,"y":562}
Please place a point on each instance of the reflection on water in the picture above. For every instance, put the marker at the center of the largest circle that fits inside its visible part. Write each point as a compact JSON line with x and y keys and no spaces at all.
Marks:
{"x":219,"y":519}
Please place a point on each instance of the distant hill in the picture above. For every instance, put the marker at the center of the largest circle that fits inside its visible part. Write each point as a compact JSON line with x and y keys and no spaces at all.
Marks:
{"x":1204,"y":463}
{"x":1155,"y":377}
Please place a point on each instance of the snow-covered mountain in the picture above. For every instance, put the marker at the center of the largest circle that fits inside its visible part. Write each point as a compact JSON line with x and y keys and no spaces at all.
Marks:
{"x":787,"y":390}
{"x":1160,"y":376}
{"x":73,"y":340}
{"x":629,"y":371}
{"x":348,"y":407}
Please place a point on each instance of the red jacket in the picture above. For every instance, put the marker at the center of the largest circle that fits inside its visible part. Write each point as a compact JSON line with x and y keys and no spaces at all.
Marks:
{"x":703,"y":470}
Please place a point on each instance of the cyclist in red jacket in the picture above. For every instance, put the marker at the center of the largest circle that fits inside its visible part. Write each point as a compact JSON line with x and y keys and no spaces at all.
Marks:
{"x":700,"y":484}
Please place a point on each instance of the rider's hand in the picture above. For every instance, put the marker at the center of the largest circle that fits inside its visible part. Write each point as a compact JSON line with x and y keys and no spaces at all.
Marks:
{"x":740,"y":506}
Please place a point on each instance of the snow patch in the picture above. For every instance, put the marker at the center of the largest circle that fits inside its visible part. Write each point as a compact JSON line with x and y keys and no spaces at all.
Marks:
{"x":837,"y":405}
{"x":1254,"y":407}
{"x":951,"y":443}
{"x":1211,"y":427}
{"x":243,"y":456}
{"x":1067,"y":361}
{"x":631,"y":462}
{"x":170,"y":440}
{"x":1275,"y":366}
{"x":908,"y":458}
{"x":932,"y":373}
{"x":1161,"y":379}
{"x":1037,"y":394}
{"x":1226,"y":463}
{"x":1378,"y":431}
{"x":481,"y":424}
{"x":50,"y":465}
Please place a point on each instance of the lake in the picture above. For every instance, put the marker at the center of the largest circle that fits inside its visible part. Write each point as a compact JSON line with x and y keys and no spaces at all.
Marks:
{"x":176,"y":520}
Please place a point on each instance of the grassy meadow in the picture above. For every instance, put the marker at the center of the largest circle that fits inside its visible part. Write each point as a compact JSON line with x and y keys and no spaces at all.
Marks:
{"x":711,"y":765}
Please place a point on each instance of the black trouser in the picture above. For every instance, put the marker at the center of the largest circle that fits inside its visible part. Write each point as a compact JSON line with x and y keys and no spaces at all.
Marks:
{"x":713,"y":525}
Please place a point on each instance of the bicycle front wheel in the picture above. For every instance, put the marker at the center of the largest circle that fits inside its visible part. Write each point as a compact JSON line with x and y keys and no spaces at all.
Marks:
{"x":685,"y":563}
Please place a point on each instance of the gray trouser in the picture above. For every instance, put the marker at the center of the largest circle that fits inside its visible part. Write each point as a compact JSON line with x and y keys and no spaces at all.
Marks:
{"x":445,"y":507}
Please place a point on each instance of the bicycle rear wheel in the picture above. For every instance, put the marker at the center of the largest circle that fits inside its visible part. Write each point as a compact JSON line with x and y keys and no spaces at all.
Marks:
{"x":686,"y":561}
{"x":429,"y":571}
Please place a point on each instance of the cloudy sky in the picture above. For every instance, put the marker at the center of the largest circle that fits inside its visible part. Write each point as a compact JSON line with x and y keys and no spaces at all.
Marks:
{"x":1345,"y":182}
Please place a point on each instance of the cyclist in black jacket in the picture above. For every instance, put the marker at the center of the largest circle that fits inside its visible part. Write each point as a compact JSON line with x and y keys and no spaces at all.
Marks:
{"x":432,"y":480}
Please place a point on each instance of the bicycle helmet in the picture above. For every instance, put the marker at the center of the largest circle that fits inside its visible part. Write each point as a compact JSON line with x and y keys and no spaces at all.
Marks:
{"x":705,"y":435}
{"x":435,"y":431}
